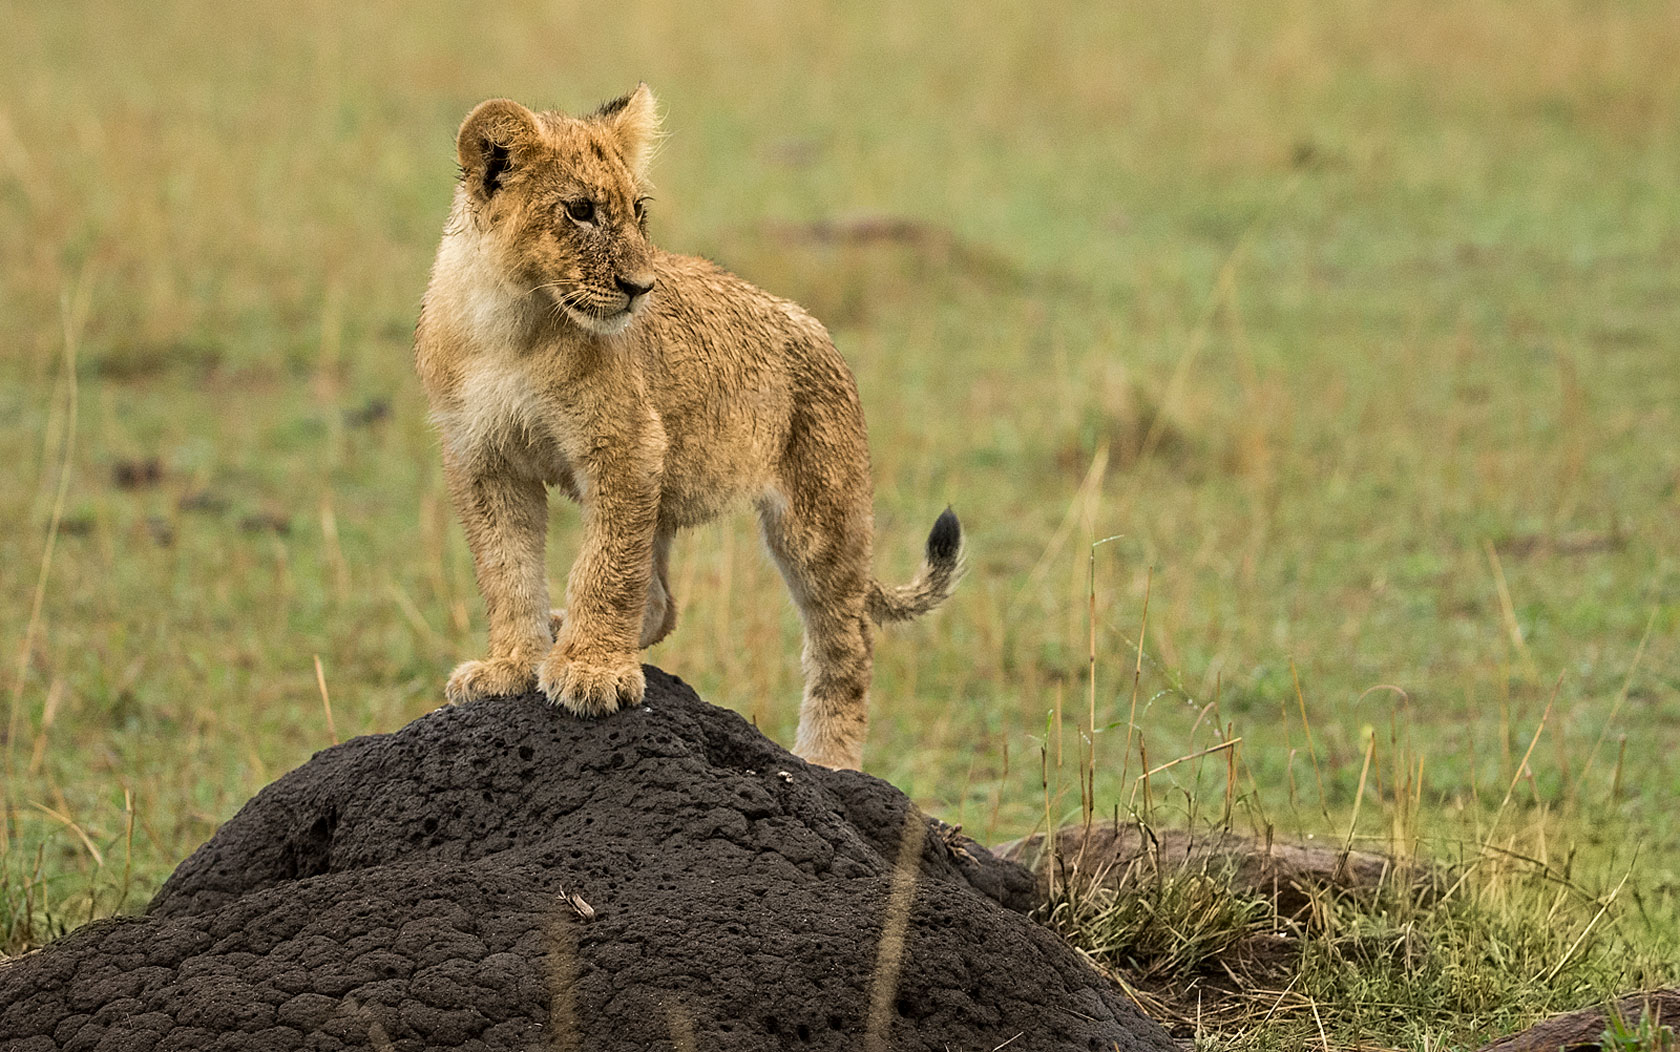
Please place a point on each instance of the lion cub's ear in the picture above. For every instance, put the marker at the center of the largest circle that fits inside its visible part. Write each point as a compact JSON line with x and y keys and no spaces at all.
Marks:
{"x":634,"y":120}
{"x":490,"y":142}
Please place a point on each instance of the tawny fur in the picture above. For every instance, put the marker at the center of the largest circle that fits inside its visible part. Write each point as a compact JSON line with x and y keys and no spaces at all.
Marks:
{"x":558,"y":347}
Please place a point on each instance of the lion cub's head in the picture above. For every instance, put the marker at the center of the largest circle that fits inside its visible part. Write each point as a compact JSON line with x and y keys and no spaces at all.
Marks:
{"x":562,"y":200}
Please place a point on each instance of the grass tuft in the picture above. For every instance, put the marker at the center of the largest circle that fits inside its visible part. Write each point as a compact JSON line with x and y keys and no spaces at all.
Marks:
{"x":1431,"y":961}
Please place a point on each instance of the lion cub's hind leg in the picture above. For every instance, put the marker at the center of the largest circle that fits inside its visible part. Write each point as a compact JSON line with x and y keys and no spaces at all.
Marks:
{"x":822,"y":548}
{"x":660,"y":616}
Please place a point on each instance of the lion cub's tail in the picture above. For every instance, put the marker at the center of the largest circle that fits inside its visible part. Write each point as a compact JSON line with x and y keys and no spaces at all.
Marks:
{"x":933,"y":582}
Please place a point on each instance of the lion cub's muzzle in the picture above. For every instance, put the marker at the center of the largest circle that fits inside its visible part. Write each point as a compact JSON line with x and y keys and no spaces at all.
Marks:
{"x":634,"y":288}
{"x":608,"y":312}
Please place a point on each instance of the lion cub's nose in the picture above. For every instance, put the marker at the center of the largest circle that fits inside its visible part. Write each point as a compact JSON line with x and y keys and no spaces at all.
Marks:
{"x":634,"y":287}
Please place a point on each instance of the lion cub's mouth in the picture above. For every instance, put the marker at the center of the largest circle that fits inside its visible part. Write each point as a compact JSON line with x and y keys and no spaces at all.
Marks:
{"x":608,"y":323}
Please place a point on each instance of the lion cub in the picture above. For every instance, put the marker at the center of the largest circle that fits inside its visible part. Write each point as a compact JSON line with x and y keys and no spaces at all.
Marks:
{"x":559,"y":347}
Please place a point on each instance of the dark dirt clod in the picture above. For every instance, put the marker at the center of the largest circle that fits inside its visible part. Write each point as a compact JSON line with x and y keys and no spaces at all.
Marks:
{"x":503,"y":876}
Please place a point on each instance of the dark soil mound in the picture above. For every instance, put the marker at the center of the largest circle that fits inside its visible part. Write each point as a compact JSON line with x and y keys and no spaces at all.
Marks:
{"x":504,"y":876}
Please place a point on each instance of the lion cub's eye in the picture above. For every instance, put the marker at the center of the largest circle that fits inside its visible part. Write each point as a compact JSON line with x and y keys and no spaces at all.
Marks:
{"x":581,"y":210}
{"x":641,"y":208}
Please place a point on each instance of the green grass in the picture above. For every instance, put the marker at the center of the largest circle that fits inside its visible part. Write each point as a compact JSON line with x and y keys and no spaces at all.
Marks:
{"x":1647,"y":1035}
{"x":1441,"y":950}
{"x":1354,"y":325}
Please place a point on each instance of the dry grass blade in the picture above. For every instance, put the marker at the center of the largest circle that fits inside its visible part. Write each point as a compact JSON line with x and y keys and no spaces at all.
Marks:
{"x":1569,"y":954}
{"x":889,"y":959}
{"x":1359,"y":794}
{"x":1507,"y":609}
{"x":1621,"y":699}
{"x":326,"y":702}
{"x":564,"y":1026}
{"x":1088,"y":489}
{"x":411,"y":612}
{"x":1312,"y":746}
{"x":1229,"y":743}
{"x":1528,"y":754}
{"x":73,"y":309}
{"x":1137,"y":676}
{"x":682,"y":1027}
{"x":69,"y":823}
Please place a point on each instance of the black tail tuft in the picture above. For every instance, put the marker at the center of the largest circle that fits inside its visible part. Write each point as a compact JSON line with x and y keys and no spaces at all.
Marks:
{"x":945,"y":539}
{"x":933,"y":583}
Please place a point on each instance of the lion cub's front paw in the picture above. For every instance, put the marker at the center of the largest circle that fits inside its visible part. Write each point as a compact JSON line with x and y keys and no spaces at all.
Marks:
{"x":472,"y":680}
{"x":592,"y":686}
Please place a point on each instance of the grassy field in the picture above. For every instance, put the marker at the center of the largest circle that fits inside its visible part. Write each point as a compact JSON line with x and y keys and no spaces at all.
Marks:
{"x":1351,"y":331}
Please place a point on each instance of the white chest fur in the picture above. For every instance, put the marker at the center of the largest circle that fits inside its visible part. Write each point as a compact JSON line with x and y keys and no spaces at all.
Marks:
{"x":496,"y":415}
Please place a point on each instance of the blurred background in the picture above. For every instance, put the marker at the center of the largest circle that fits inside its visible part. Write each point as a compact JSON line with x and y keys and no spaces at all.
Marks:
{"x":1350,"y":330}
